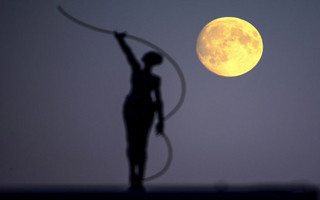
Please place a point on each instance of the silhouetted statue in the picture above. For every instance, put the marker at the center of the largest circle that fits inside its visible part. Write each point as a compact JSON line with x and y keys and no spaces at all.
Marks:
{"x":143,"y":101}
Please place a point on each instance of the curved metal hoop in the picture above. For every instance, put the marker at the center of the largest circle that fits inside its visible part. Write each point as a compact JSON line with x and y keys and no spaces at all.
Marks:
{"x":162,"y":52}
{"x":167,"y":164}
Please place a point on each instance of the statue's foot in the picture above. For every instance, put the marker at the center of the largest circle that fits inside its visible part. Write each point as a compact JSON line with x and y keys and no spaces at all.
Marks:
{"x":137,"y":187}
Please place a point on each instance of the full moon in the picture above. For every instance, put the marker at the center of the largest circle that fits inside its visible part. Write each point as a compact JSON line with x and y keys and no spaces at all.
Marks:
{"x":229,"y":46}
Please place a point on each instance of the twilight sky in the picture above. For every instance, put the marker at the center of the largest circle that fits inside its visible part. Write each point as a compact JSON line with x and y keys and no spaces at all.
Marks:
{"x":62,"y":87}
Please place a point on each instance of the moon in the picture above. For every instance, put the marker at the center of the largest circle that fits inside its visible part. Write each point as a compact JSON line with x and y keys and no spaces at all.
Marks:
{"x":229,"y":46}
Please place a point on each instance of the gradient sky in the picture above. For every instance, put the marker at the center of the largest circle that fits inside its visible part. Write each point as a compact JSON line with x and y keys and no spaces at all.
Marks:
{"x":62,"y":87}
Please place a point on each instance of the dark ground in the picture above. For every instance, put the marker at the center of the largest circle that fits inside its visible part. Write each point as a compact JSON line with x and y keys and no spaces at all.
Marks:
{"x":221,"y":192}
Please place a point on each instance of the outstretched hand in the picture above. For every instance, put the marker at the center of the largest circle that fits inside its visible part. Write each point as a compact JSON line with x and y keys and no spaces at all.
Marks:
{"x":120,"y":35}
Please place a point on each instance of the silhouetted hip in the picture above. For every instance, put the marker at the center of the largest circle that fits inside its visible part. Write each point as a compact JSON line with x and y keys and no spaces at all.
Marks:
{"x":138,"y":115}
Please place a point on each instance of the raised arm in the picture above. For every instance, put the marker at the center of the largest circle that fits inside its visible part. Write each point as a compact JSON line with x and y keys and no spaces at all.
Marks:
{"x":127,"y":51}
{"x":159,"y":109}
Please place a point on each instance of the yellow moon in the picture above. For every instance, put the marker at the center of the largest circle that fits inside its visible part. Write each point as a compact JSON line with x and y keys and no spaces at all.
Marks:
{"x":229,"y":46}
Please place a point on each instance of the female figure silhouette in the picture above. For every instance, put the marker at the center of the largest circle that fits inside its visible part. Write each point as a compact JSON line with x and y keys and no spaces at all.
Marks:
{"x":143,"y":101}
